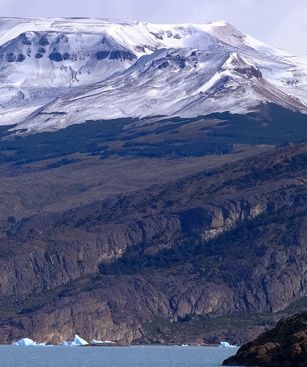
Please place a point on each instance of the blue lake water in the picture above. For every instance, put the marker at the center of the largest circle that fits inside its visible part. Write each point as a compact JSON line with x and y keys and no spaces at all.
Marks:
{"x":136,"y":356}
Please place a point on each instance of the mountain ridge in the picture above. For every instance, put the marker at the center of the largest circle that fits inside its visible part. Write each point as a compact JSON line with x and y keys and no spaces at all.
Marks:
{"x":40,"y":57}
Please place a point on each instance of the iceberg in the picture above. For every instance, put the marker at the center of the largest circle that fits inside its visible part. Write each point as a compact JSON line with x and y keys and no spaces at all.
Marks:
{"x":102,"y":342}
{"x":227,"y":345}
{"x":78,"y":341}
{"x":27,"y":342}
{"x":97,"y":342}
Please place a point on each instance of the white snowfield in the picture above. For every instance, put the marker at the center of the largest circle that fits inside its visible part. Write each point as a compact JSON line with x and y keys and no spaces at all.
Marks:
{"x":58,"y":72}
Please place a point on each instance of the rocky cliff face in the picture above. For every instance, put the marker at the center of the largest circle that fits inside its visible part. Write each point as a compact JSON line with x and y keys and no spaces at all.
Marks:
{"x":179,"y":261}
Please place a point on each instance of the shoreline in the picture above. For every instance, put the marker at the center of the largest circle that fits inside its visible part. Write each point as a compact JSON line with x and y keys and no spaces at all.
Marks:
{"x":125,"y":345}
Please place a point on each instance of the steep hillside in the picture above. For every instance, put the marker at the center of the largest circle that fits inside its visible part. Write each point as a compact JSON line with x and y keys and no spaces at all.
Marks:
{"x":153,"y":182}
{"x":216,"y":249}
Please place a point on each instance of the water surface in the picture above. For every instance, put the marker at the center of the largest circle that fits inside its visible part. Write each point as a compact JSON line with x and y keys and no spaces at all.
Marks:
{"x":135,"y":356}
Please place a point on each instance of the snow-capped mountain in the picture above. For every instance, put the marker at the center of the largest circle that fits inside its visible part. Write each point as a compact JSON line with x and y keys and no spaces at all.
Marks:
{"x":57,"y":72}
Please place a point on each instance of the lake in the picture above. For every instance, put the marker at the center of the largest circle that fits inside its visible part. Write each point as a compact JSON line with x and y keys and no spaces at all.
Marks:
{"x":135,"y":356}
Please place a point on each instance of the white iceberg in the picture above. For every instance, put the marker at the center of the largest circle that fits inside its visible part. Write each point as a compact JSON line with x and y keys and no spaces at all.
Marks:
{"x":227,"y":345}
{"x":97,"y":342}
{"x":102,"y":342}
{"x":27,"y":342}
{"x":78,"y":341}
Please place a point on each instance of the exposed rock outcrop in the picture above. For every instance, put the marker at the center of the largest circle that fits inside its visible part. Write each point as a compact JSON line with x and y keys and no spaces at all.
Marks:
{"x":284,"y":346}
{"x":167,"y":263}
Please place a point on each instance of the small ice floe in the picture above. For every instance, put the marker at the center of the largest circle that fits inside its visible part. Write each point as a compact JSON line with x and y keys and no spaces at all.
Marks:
{"x":184,"y":345}
{"x":26,"y":342}
{"x":102,"y":342}
{"x":78,"y":341}
{"x":227,"y":345}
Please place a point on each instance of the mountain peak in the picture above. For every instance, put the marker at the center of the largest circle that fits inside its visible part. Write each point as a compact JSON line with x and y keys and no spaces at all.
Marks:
{"x":97,"y":68}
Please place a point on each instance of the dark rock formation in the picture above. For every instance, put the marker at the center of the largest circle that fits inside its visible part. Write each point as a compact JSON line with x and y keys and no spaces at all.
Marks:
{"x":284,"y":346}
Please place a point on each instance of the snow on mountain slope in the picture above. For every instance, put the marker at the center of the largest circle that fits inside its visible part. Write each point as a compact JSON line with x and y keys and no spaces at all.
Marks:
{"x":56,"y":72}
{"x":185,"y":82}
{"x":40,"y":59}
